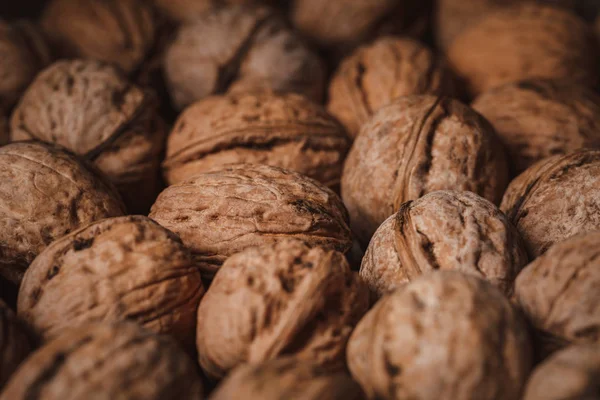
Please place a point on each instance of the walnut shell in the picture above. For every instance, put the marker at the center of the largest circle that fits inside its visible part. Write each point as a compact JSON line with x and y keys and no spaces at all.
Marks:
{"x":15,"y":343}
{"x":225,"y":211}
{"x":90,"y":108}
{"x":537,"y":41}
{"x":445,"y":335}
{"x":110,"y":361}
{"x":189,"y":10}
{"x":45,"y":194}
{"x":554,"y":199}
{"x":283,"y":298}
{"x":402,"y":154}
{"x":240,"y":49}
{"x":376,"y":74}
{"x":286,"y":131}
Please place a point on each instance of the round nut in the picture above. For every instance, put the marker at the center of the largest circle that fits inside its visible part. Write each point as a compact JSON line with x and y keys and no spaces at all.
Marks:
{"x":286,"y":131}
{"x":189,"y":10}
{"x":402,"y":152}
{"x":45,"y":194}
{"x":110,"y":361}
{"x":223,"y":212}
{"x":14,"y":343}
{"x":445,"y":335}
{"x":285,"y":298}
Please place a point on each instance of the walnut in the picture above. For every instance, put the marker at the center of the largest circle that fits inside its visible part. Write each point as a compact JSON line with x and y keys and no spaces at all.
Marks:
{"x":376,"y":74}
{"x":45,"y":194}
{"x":14,"y":342}
{"x":240,"y":49}
{"x":287,"y":131}
{"x":94,"y":111}
{"x":537,"y":41}
{"x":554,"y":199}
{"x":287,"y":378}
{"x":110,"y":361}
{"x":445,"y":335}
{"x":402,"y":154}
{"x":225,"y":211}
{"x":189,"y":10}
{"x":283,"y":298}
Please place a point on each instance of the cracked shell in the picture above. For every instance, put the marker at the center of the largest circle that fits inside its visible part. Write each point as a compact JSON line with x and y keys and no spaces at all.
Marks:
{"x":15,"y":343}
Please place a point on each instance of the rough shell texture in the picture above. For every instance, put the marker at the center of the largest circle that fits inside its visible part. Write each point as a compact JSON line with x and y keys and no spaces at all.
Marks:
{"x":537,"y":41}
{"x":443,"y":336}
{"x":554,"y":199}
{"x":222,"y":212}
{"x":444,"y":230}
{"x":240,"y":49}
{"x":15,"y":343}
{"x":189,"y":10}
{"x":45,"y":194}
{"x":285,"y":298}
{"x":90,"y":108}
{"x":115,"y":269}
{"x":111,"y":361}
{"x":403,"y":152}
{"x":287,"y":378}
{"x":376,"y":74}
{"x":286,"y":131}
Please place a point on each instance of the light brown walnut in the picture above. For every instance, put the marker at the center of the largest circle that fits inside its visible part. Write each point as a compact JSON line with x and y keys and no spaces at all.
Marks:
{"x":15,"y":343}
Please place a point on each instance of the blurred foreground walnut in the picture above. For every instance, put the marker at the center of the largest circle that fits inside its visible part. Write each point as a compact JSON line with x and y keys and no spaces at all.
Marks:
{"x":14,"y":342}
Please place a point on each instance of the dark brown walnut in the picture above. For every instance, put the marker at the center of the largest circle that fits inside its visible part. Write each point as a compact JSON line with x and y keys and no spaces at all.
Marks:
{"x":109,"y":361}
{"x":376,"y":74}
{"x":240,"y":49}
{"x":45,"y":194}
{"x":280,"y":299}
{"x":90,"y":108}
{"x":189,"y":10}
{"x":537,"y":41}
{"x":445,"y":335}
{"x":554,"y":199}
{"x":448,"y":231}
{"x":15,"y":343}
{"x":225,"y":211}
{"x":417,"y":145}
{"x":286,"y":131}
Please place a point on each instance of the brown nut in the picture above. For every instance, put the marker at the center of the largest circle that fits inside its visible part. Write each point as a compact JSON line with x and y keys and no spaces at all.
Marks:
{"x":45,"y":194}
{"x":90,"y":108}
{"x":402,"y":152}
{"x":110,"y":361}
{"x":376,"y":74}
{"x":284,"y":298}
{"x":240,"y":49}
{"x":15,"y":343}
{"x":225,"y":211}
{"x":286,"y":131}
{"x":445,"y":335}
{"x":189,"y":10}
{"x":554,"y":199}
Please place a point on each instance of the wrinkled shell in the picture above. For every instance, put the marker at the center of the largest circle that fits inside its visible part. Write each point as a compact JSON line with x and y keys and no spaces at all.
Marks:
{"x":376,"y":74}
{"x":91,"y":109}
{"x":402,"y":152}
{"x":539,"y":118}
{"x":444,"y":230}
{"x":285,"y":298}
{"x":110,"y":361}
{"x":189,"y":10}
{"x":240,"y":49}
{"x":443,"y":336}
{"x":45,"y":194}
{"x":116,"y":269}
{"x":15,"y":343}
{"x":286,"y":131}
{"x":225,"y":211}
{"x":555,"y":199}
{"x":537,"y":41}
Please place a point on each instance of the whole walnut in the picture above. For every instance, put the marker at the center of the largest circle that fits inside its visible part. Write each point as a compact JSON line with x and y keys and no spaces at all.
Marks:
{"x":554,"y":199}
{"x":45,"y":194}
{"x":225,"y":211}
{"x":402,"y":152}
{"x":90,"y":108}
{"x":537,"y":41}
{"x":14,"y":342}
{"x":376,"y":74}
{"x":240,"y":49}
{"x":445,"y":335}
{"x":539,"y":118}
{"x":189,"y":10}
{"x":285,"y":130}
{"x":448,"y":231}
{"x":282,"y":298}
{"x":109,"y":361}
